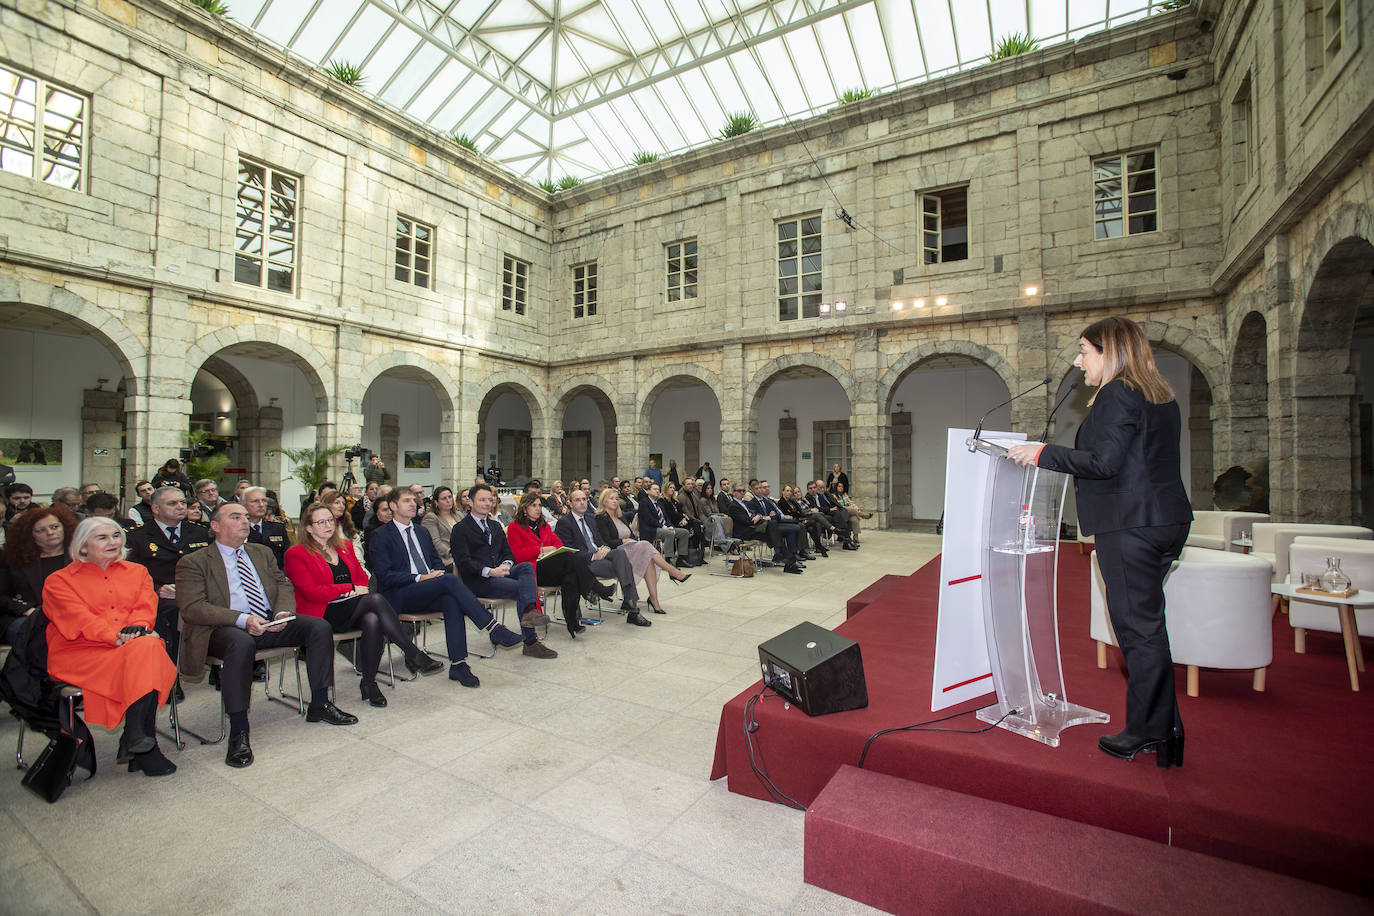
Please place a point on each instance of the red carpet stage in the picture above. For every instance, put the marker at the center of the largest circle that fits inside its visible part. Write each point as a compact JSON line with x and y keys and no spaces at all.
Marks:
{"x":1280,"y":780}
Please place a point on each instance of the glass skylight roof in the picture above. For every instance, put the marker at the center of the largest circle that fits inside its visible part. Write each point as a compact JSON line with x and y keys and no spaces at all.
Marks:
{"x":554,"y":88}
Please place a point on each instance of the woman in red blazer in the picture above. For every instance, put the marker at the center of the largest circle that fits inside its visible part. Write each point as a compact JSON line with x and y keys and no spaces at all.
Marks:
{"x":329,"y":583}
{"x":530,"y":538}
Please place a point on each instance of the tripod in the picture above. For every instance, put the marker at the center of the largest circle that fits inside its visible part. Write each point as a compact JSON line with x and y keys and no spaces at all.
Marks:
{"x":348,"y":478}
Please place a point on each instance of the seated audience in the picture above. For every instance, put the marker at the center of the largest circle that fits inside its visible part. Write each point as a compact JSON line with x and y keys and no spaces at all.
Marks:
{"x":100,"y":612}
{"x":838,"y":515}
{"x":678,"y":518}
{"x":411,"y":576}
{"x":195,"y":515}
{"x":579,"y":529}
{"x":363,"y":506}
{"x":483,"y":558}
{"x":842,"y":499}
{"x":557,"y":500}
{"x":645,"y":561}
{"x":87,"y":491}
{"x":158,"y":546}
{"x":439,"y":522}
{"x":464,"y":505}
{"x":655,"y":527}
{"x":629,"y":500}
{"x":263,"y":530}
{"x":338,"y":504}
{"x":234,"y":602}
{"x":35,"y":548}
{"x":104,"y":505}
{"x":380,"y":515}
{"x":790,"y":527}
{"x":329,"y":583}
{"x":207,"y":494}
{"x":750,"y":522}
{"x":18,"y":498}
{"x":812,"y":520}
{"x":532,"y":541}
{"x":142,"y":511}
{"x":238,"y":490}
{"x":725,"y":497}
{"x":835,"y":477}
{"x":71,"y":498}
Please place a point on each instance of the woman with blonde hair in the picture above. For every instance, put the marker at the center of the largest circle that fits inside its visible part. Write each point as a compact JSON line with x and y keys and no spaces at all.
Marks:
{"x":645,"y":561}
{"x":99,"y":609}
{"x":1125,"y":467}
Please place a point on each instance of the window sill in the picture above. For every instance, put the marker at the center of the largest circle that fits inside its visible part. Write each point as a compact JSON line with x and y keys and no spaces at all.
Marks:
{"x":55,"y":195}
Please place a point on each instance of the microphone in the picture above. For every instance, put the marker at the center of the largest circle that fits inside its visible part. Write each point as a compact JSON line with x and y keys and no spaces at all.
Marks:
{"x":979,"y":431}
{"x":1048,"y":420}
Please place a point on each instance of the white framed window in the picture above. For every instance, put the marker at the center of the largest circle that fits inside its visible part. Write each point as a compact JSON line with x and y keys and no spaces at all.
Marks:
{"x":944,"y":226}
{"x":1243,"y":134}
{"x":266,"y":227}
{"x":1125,"y":194}
{"x":584,"y":290}
{"x":799,"y":267}
{"x":515,"y":284}
{"x":414,"y":252}
{"x":42,"y":130}
{"x":680,"y":259}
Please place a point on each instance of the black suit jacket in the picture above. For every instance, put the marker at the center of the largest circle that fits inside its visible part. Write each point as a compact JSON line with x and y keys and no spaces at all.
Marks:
{"x":1125,"y":463}
{"x":647,"y":514}
{"x":605,"y":526}
{"x":149,"y":547}
{"x":742,"y":518}
{"x":570,"y":533}
{"x":471,"y":551}
{"x":274,"y":538}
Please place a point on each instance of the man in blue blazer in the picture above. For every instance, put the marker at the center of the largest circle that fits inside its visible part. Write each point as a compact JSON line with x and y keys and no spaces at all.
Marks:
{"x":411,"y":576}
{"x":654,"y":527}
{"x":578,"y":529}
{"x":790,"y":528}
{"x":751,"y":524}
{"x":483,"y":559}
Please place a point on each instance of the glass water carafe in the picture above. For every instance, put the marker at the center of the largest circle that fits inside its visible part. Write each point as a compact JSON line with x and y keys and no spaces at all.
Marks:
{"x":1334,"y":580}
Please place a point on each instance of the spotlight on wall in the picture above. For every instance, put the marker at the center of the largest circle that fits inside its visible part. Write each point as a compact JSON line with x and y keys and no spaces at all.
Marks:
{"x":840,"y":306}
{"x":941,"y":300}
{"x":1032,"y":290}
{"x":919,"y":304}
{"x":896,"y":306}
{"x":825,"y":309}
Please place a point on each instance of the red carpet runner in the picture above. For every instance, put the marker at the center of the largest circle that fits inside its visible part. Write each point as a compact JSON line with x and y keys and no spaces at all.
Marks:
{"x":1280,"y":780}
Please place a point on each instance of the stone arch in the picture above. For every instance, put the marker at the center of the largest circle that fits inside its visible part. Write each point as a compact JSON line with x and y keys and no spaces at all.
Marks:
{"x":658,"y":382}
{"x":1350,"y":223}
{"x":20,"y":296}
{"x":257,"y":339}
{"x":891,"y":379}
{"x":1203,"y":355}
{"x":595,"y":388}
{"x":402,"y":364}
{"x":778,"y":365}
{"x":244,"y":394}
{"x":536,"y":401}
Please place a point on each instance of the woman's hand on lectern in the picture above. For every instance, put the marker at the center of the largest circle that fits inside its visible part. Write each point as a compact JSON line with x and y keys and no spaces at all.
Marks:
{"x":1025,"y":455}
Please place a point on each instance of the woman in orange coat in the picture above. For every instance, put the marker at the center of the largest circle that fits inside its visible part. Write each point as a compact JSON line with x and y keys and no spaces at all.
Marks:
{"x":99,"y":610}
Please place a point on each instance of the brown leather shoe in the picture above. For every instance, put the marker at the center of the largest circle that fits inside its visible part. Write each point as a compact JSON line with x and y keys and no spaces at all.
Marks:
{"x":534,"y":618}
{"x":537,"y":649}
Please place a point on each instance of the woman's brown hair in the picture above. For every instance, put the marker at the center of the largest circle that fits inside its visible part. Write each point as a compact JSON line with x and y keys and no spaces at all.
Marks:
{"x":1126,"y":355}
{"x":522,"y":516}
{"x":336,"y":537}
{"x":19,"y":544}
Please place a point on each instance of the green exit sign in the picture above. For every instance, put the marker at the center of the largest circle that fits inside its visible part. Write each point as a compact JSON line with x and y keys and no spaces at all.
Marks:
{"x":806,"y":456}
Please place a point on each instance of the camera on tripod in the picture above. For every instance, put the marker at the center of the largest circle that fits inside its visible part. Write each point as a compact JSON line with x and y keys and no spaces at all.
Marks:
{"x":199,"y":450}
{"x":358,"y":451}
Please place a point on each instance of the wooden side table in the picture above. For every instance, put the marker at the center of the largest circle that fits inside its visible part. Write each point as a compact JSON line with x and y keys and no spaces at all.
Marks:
{"x":1345,"y":610}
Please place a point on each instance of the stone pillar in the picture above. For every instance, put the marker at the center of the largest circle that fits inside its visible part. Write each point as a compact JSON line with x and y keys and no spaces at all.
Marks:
{"x":868,"y":472}
{"x":102,"y":430}
{"x":691,"y":447}
{"x":738,"y":446}
{"x":263,"y":472}
{"x":787,"y":452}
{"x":632,"y":444}
{"x":900,"y":463}
{"x":157,"y":405}
{"x":390,"y":445}
{"x":1200,"y":432}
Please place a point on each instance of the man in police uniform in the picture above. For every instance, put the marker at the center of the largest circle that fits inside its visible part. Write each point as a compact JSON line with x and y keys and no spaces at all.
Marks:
{"x":269,"y":534}
{"x":158,"y":545}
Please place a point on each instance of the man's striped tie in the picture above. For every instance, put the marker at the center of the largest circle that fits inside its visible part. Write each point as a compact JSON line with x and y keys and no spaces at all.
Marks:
{"x":256,"y":602}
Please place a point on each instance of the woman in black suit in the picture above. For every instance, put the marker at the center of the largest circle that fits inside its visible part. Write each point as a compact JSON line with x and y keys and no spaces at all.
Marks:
{"x":1125,"y":464}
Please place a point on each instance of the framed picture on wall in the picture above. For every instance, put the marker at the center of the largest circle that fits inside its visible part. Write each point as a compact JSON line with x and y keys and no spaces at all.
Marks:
{"x":417,"y":461}
{"x":32,"y":452}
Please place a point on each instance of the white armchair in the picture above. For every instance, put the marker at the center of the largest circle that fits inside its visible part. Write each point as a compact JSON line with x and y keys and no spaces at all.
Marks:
{"x":1272,"y":540}
{"x":1308,"y":554}
{"x":1216,"y":610}
{"x":1216,"y":530}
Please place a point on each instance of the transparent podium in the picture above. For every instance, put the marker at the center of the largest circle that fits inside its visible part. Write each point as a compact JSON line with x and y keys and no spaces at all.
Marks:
{"x":1020,"y":531}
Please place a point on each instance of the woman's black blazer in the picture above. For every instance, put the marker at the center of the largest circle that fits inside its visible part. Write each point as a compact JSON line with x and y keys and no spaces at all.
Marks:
{"x":1125,"y":463}
{"x":605,"y":526}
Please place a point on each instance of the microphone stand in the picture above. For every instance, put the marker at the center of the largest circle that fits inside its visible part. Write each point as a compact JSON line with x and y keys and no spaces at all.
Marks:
{"x":977,"y":433}
{"x":1050,"y":419}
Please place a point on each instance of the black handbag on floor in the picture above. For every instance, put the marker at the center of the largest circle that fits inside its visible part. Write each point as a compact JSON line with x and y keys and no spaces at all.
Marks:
{"x":52,"y":772}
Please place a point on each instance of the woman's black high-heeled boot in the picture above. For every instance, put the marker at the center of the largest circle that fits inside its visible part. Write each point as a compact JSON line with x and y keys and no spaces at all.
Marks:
{"x":573,"y":616}
{"x":1170,"y":753}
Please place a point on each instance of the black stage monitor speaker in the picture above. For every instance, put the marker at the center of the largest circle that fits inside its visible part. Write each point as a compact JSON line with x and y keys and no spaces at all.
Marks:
{"x":814,"y":669}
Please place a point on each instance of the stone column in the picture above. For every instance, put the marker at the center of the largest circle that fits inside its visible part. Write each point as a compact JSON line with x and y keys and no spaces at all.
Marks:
{"x":900,"y":463}
{"x":102,"y":430}
{"x":691,"y":446}
{"x":787,"y":452}
{"x":157,"y":404}
{"x":1200,"y":432}
{"x":390,"y":445}
{"x":738,"y":448}
{"x":868,"y":472}
{"x":265,"y":473}
{"x":632,"y":444}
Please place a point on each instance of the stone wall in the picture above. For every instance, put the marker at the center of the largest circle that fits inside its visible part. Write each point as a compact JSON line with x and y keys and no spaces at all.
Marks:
{"x":144,"y":259}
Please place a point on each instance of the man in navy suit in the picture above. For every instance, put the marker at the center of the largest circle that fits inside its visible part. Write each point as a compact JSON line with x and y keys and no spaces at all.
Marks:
{"x":750,"y":523}
{"x":578,"y":529}
{"x":838,"y":515}
{"x":483,"y":559}
{"x":791,"y":530}
{"x":655,"y":527}
{"x":411,"y":576}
